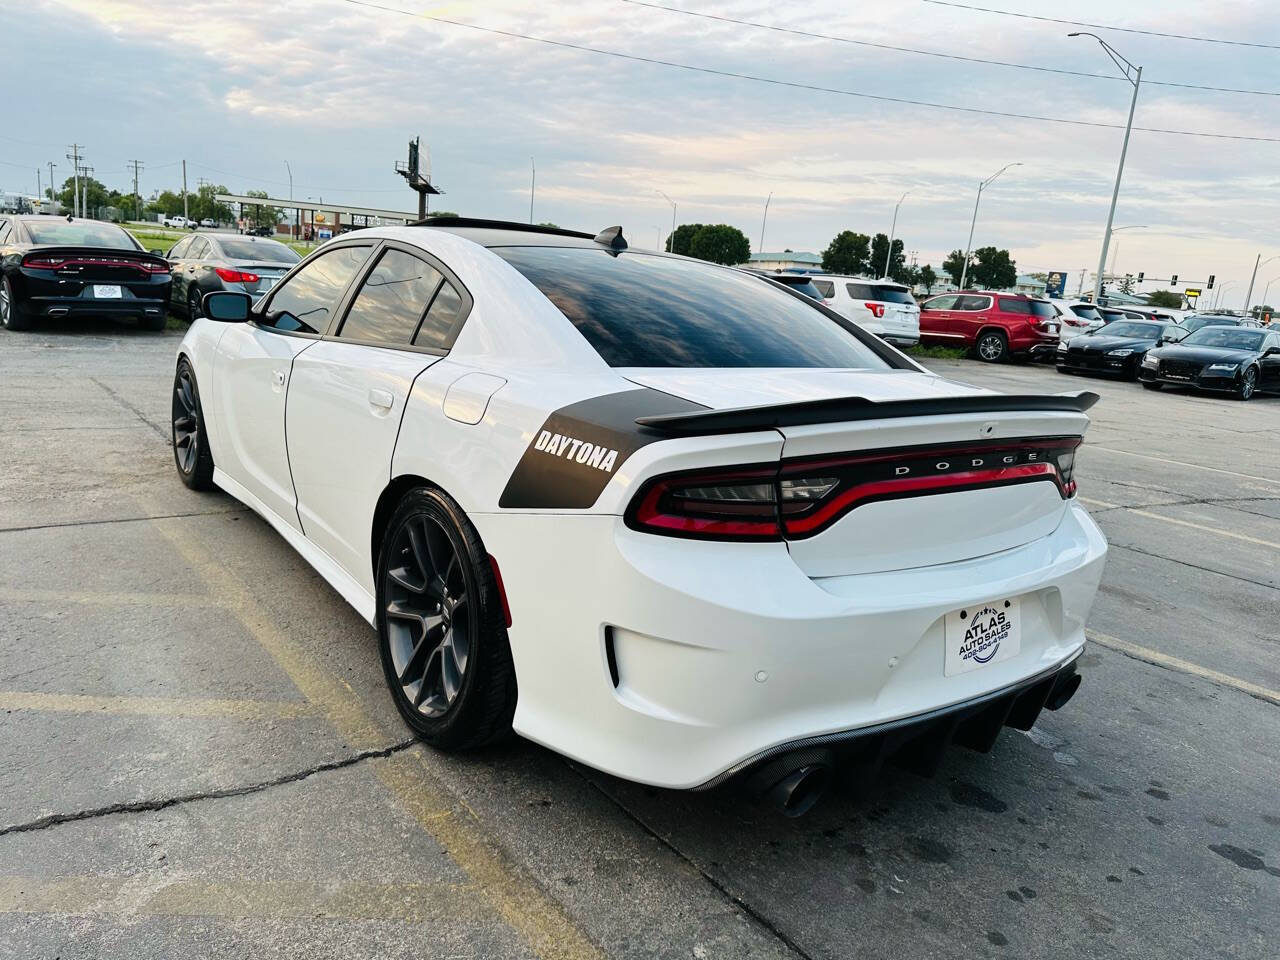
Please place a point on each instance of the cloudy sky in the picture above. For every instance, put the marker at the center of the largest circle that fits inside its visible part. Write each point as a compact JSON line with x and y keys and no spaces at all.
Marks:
{"x":336,"y":88}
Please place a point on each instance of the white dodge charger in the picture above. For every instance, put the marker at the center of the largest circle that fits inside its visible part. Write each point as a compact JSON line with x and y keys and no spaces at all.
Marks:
{"x":670,"y":519}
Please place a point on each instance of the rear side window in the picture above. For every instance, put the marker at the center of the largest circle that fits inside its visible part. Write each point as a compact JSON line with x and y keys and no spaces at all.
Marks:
{"x":825,"y":287}
{"x":391,"y":301}
{"x":893,"y":295}
{"x":641,"y":310}
{"x":442,"y":319}
{"x":860,"y":291}
{"x":1015,"y":306}
{"x":307,"y":299}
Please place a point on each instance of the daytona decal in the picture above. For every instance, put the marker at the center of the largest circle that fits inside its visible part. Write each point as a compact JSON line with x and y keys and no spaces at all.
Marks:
{"x":572,"y":457}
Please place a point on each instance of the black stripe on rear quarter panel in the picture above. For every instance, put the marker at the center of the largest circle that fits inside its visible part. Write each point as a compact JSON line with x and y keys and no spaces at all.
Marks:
{"x":576,"y":452}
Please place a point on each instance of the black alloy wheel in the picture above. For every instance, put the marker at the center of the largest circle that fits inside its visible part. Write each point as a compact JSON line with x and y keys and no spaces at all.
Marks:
{"x":191,"y":452}
{"x":441,"y":627}
{"x":992,"y":346}
{"x":1248,"y":383}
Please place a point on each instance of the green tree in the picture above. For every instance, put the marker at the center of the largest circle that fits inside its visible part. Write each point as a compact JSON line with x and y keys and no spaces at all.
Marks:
{"x":1165,"y":298}
{"x":95,"y":193}
{"x":166,"y":203}
{"x":953,"y":266}
{"x":681,"y":241}
{"x":548,"y":223}
{"x":848,"y":253}
{"x":927,"y":278}
{"x":442,"y":213}
{"x":261,"y":215}
{"x":897,"y":262}
{"x":203,"y":204}
{"x":720,"y":243}
{"x":993,"y":269}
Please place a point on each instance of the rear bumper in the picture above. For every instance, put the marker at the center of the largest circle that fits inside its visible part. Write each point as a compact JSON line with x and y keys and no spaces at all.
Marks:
{"x":678,"y":662}
{"x":57,"y":307}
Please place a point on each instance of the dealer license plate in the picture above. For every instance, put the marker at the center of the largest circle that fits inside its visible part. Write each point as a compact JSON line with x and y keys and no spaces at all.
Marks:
{"x":981,"y":634}
{"x":103,"y":291}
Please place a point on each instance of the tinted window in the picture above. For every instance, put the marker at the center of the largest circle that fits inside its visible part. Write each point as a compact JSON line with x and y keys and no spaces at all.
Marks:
{"x":1127,"y":328}
{"x":893,"y":295}
{"x":825,"y":287}
{"x":1041,"y":308}
{"x":860,"y":291}
{"x":1195,"y":323}
{"x":179,"y":249}
{"x":80,"y":233}
{"x":309,"y":297}
{"x":392,"y":300}
{"x":945,"y":302}
{"x":1015,"y":306}
{"x":800,"y":285}
{"x":1237,"y":338}
{"x":441,"y":320}
{"x":971,"y":302}
{"x":641,"y":310}
{"x":263,"y":251}
{"x":1086,"y":311}
{"x":199,"y":249}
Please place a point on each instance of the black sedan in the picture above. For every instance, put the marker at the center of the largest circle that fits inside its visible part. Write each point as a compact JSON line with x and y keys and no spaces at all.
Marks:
{"x":53,"y":267}
{"x":1117,"y":348}
{"x":210,"y":261}
{"x":1239,"y":360}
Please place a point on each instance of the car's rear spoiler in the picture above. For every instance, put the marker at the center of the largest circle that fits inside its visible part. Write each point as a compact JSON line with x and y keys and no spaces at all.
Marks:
{"x":839,"y":409}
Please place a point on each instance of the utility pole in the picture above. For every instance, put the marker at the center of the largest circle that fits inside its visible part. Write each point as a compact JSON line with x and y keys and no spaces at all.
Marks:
{"x":533,"y":182}
{"x":74,"y":157}
{"x":888,"y":257}
{"x":185,"y":215}
{"x":137,"y":167}
{"x":1259,"y":262}
{"x":39,"y":189}
{"x":52,"y":189}
{"x":765,"y":219}
{"x":1133,"y":74}
{"x":84,"y":188}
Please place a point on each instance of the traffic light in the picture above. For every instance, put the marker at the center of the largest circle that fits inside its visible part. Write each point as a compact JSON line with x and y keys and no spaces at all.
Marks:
{"x":1210,"y":284}
{"x":1174,"y":280}
{"x":1140,"y":275}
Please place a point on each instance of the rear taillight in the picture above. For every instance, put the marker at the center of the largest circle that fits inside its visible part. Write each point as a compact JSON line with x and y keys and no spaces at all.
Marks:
{"x":156,"y":268}
{"x":877,"y":309}
{"x":801,"y":498}
{"x":35,"y":262}
{"x":235,"y":276}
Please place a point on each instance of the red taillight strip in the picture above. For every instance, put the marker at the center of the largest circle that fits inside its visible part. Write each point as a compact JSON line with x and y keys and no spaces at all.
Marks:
{"x":648,"y":514}
{"x":914,"y":486}
{"x":58,"y":263}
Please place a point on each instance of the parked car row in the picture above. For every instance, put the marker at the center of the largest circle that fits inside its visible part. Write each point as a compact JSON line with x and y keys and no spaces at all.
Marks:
{"x":212,"y":261}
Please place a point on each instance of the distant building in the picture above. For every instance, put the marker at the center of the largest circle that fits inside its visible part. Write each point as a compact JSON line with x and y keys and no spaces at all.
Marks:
{"x":786,"y":260}
{"x":1029,"y":285}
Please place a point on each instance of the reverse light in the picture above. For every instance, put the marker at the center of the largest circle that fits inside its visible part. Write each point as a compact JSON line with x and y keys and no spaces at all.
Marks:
{"x":235,"y":276}
{"x":877,"y":309}
{"x":801,"y":498}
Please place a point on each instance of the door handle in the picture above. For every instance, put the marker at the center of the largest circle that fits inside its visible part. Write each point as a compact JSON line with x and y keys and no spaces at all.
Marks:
{"x":382,"y":399}
{"x":278,"y":377}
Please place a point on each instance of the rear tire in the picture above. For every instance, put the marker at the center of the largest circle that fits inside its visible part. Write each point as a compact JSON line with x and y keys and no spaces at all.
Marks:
{"x":1151,"y":385}
{"x":13,"y":316}
{"x":1248,"y":384}
{"x":155,"y":324}
{"x":441,"y":626}
{"x":992,"y":346}
{"x":191,"y":453}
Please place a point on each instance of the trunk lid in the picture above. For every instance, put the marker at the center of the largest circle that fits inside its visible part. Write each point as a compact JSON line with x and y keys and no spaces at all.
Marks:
{"x":94,"y":264}
{"x":967,"y":473}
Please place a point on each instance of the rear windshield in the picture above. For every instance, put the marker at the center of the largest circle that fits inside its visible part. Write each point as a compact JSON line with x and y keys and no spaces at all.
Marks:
{"x":80,"y":234}
{"x":892,"y":295}
{"x":1042,"y":308}
{"x":263,"y":251}
{"x":801,"y":285}
{"x":1195,"y":323}
{"x":641,"y":310}
{"x":1129,"y":328}
{"x":1086,"y":311}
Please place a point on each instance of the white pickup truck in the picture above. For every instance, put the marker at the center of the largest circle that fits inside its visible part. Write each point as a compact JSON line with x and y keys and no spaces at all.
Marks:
{"x":182,"y":223}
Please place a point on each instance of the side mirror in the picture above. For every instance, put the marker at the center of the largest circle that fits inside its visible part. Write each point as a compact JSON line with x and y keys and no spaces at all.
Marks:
{"x":226,"y":306}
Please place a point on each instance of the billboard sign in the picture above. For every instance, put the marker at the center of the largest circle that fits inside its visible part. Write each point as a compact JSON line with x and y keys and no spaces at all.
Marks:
{"x":1056,"y":285}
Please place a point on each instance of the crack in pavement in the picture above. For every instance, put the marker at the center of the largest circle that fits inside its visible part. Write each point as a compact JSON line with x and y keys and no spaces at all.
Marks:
{"x":162,"y":803}
{"x":1193,"y":566}
{"x":91,"y":523}
{"x":132,"y":409}
{"x":751,"y":912}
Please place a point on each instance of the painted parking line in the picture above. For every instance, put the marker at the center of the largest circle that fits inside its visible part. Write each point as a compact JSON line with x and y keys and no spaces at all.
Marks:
{"x":154,"y":706}
{"x":1182,"y":523}
{"x":108,"y":599}
{"x":156,"y":895}
{"x":540,"y":920}
{"x":1183,"y":463}
{"x":1162,"y":659}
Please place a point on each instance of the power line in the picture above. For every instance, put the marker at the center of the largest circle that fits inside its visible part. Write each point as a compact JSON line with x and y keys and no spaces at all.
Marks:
{"x":796,"y":85}
{"x":934,"y":53}
{"x":1103,"y":26}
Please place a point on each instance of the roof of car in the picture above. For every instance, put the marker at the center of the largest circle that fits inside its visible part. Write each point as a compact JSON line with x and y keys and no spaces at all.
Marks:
{"x":505,"y":233}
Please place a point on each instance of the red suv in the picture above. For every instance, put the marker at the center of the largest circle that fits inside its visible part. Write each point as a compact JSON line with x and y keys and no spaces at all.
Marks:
{"x":995,"y":326}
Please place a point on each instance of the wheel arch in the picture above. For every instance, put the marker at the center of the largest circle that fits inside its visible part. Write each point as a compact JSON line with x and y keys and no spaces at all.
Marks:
{"x":390,"y":496}
{"x":991,"y":328}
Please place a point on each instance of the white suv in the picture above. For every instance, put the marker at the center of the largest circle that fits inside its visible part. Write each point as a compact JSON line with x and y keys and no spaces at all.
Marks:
{"x":883,"y":307}
{"x":1076,"y":317}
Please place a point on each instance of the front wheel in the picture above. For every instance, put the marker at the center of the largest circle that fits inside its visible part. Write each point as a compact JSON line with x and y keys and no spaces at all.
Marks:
{"x":992,"y":346}
{"x":441,"y":626}
{"x":194,"y":301}
{"x":13,"y":316}
{"x":1248,"y":384}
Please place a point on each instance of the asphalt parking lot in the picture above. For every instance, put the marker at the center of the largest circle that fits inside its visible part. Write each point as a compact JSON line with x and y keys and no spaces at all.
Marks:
{"x":200,"y":757}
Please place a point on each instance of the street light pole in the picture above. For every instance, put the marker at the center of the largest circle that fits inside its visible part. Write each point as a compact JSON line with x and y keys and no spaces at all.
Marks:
{"x":1259,"y":262}
{"x":533,"y":183}
{"x":672,"y":241}
{"x":964,"y":269}
{"x":1134,"y":75}
{"x":888,"y":257}
{"x":765,"y":219}
{"x":1218,"y":299}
